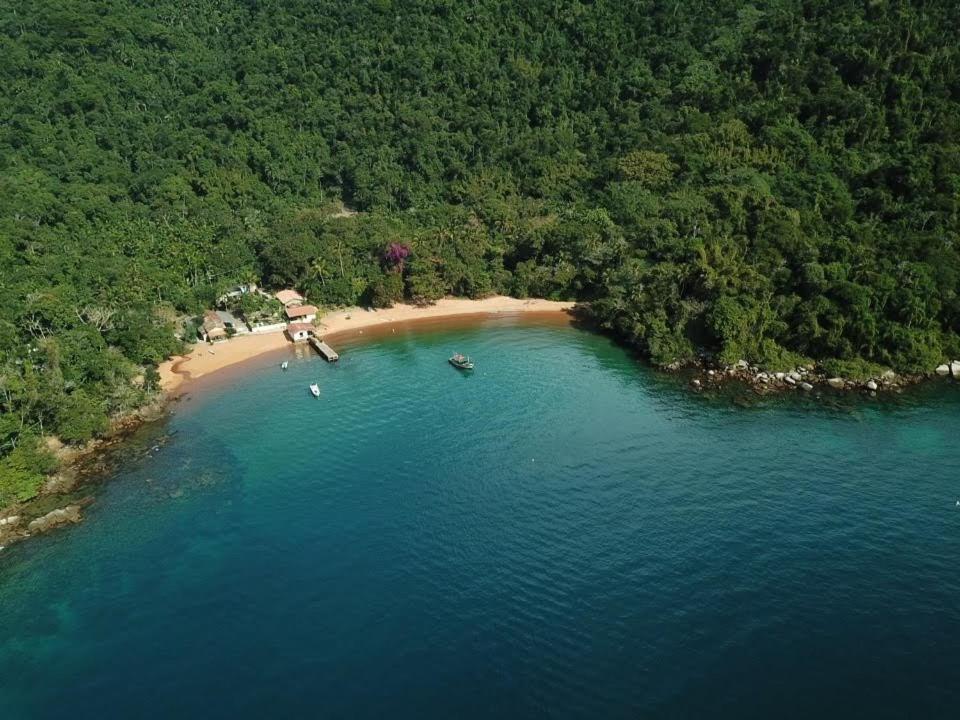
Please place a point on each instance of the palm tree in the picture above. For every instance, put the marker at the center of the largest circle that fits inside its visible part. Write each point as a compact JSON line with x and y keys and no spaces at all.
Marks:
{"x":317,"y":267}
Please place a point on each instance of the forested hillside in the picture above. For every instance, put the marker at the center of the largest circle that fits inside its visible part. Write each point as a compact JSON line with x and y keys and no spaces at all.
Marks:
{"x":765,"y":180}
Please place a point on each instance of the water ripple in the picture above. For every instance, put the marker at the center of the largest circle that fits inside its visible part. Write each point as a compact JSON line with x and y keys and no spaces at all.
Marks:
{"x":560,"y":534}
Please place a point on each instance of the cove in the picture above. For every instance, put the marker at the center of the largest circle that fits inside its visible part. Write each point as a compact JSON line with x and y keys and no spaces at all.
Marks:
{"x":560,"y":533}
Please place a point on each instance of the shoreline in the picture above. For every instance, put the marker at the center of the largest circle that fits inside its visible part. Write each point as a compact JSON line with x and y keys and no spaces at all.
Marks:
{"x":64,"y":497}
{"x":205,"y":360}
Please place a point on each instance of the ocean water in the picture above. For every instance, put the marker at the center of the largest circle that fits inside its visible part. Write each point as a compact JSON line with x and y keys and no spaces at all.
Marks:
{"x":560,"y":534}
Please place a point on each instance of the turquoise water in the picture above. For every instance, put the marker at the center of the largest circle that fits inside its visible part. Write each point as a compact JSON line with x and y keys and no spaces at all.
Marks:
{"x":559,"y":534}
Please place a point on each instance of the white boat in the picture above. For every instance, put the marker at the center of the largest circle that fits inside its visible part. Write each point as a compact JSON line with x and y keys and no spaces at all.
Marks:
{"x":284,"y":365}
{"x":315,"y":389}
{"x":461,"y":362}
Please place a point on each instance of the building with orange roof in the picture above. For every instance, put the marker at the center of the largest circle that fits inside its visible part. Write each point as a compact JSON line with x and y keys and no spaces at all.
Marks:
{"x":302,"y":313}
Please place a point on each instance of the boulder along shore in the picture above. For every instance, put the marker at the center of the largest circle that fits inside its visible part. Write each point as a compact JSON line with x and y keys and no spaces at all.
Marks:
{"x":805,"y":378}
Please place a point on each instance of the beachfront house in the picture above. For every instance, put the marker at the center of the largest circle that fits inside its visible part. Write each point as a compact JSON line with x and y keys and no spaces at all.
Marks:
{"x":289,"y":298}
{"x":213,"y":328}
{"x":300,"y":332}
{"x":302,"y":313}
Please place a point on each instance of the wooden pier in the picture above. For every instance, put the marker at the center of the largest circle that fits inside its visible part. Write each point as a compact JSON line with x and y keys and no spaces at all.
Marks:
{"x":326,"y":352}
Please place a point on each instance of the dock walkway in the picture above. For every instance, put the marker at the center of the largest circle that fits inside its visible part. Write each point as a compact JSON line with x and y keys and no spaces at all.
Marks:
{"x":326,"y":352}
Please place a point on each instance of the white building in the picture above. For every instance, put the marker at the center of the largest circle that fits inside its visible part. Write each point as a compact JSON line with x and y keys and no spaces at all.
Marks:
{"x":302,"y":313}
{"x":299,"y":332}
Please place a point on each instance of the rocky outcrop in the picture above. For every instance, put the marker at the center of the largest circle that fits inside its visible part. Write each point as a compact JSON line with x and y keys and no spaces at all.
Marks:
{"x":61,"y":516}
{"x":949,"y":369}
{"x":14,"y":528}
{"x":10,"y":530}
{"x":709,"y":375}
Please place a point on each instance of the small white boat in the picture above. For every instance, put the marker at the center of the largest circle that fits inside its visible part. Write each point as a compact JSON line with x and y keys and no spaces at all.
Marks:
{"x":284,"y":365}
{"x":315,"y":389}
{"x":461,"y":362}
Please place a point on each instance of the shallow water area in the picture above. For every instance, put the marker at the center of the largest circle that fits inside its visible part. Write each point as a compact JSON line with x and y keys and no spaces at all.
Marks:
{"x":558,"y":533}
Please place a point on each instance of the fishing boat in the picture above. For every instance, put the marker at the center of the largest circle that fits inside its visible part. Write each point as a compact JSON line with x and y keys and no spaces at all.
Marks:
{"x":315,"y":389}
{"x":461,"y":362}
{"x":284,"y":365}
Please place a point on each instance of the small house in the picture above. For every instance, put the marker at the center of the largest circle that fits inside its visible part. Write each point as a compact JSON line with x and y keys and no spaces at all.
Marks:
{"x":302,"y":313}
{"x":300,"y":331}
{"x":213,"y":328}
{"x":289,"y":298}
{"x":237,"y":291}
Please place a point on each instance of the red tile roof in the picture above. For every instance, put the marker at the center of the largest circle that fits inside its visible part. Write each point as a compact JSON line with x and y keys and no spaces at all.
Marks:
{"x":301,"y":311}
{"x":294,"y":328}
{"x":288,"y":296}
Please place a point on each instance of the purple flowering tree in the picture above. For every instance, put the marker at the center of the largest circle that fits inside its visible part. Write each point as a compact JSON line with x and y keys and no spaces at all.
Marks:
{"x":395,"y":255}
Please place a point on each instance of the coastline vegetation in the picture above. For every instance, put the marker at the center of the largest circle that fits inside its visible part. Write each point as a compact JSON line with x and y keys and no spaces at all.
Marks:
{"x":770,"y":181}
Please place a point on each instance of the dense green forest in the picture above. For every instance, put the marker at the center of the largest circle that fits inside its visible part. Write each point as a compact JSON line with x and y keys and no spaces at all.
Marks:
{"x":766,"y":181}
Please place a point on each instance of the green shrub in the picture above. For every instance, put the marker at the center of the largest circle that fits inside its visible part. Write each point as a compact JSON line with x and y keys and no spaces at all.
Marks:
{"x":23,"y":471}
{"x":856,"y":369}
{"x":80,"y":417}
{"x":776,"y":358}
{"x":386,"y":290}
{"x":667,"y":346}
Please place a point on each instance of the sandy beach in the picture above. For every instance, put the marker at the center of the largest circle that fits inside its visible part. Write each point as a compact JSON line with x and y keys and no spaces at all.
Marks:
{"x":204,"y":359}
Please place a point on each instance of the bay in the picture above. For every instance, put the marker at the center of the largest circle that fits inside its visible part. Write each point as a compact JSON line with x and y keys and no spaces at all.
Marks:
{"x":560,"y":533}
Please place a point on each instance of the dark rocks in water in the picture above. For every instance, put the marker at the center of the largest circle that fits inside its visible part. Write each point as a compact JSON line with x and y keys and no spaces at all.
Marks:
{"x":13,"y":528}
{"x":10,"y":531}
